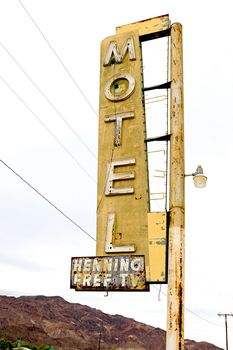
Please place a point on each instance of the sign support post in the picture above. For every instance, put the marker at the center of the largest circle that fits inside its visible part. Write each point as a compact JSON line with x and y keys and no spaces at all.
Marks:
{"x":175,"y":303}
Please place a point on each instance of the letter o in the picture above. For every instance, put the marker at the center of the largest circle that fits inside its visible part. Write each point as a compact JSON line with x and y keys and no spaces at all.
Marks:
{"x":119,"y":87}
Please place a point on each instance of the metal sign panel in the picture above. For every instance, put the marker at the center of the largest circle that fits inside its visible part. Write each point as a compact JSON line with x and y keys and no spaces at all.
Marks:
{"x":149,"y":26}
{"x":123,"y":200}
{"x":157,"y":235}
{"x":108,"y":273}
{"x":125,"y":225}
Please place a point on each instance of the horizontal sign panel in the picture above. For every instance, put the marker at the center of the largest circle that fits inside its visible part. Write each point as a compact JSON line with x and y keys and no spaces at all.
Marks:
{"x":149,"y":26}
{"x":108,"y":273}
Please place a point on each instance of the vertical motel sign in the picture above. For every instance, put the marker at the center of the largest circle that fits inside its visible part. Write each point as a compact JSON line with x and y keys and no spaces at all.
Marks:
{"x":128,"y":248}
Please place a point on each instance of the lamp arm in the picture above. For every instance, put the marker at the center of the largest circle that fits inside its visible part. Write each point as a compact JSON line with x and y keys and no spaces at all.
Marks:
{"x":193,"y":174}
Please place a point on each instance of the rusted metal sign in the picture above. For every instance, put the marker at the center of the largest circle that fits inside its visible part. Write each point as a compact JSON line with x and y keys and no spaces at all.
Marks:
{"x":125,"y":224}
{"x":108,"y":273}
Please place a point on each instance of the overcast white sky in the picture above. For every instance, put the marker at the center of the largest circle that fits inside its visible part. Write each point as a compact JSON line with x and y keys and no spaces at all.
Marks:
{"x":36,"y":241}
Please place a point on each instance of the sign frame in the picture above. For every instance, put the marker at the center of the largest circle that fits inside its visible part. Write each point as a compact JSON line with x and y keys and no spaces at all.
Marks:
{"x":124,"y":267}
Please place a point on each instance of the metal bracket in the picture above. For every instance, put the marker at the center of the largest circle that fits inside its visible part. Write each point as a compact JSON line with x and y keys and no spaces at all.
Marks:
{"x":159,"y":138}
{"x":158,"y":87}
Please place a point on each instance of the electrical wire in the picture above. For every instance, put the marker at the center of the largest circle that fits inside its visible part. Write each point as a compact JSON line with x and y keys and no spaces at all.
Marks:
{"x":84,"y":231}
{"x":90,"y":105}
{"x":49,"y":131}
{"x":59,"y":59}
{"x":189,"y":310}
{"x":202,"y":318}
{"x":48,"y":100}
{"x":48,"y":201}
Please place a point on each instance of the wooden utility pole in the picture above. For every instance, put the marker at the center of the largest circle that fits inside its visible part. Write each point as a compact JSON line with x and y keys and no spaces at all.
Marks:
{"x":175,"y":303}
{"x":99,"y":340}
{"x":225,"y":315}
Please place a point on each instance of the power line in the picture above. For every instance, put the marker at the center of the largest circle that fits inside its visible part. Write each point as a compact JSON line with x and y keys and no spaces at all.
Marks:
{"x":192,"y":312}
{"x":47,"y":200}
{"x":202,"y":318}
{"x":47,"y":99}
{"x":49,"y":131}
{"x":59,"y":59}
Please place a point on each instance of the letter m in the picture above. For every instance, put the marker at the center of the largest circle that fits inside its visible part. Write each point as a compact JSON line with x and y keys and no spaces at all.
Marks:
{"x":113,"y":55}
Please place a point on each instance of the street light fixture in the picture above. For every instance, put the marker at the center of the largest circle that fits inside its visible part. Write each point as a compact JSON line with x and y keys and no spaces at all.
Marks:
{"x":199,"y":178}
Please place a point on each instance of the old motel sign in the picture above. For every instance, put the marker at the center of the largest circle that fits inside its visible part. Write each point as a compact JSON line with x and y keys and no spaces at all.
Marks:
{"x":125,"y":226}
{"x":111,"y":273}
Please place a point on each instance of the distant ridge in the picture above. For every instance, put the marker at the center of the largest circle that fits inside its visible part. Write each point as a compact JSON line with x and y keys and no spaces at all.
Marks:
{"x":69,"y":326}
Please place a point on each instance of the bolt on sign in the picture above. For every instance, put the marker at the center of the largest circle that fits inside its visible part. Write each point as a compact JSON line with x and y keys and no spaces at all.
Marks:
{"x":123,"y":188}
{"x":112,"y":273}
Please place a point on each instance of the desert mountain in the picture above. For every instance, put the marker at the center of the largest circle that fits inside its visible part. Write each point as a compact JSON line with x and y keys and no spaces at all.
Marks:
{"x":69,"y":326}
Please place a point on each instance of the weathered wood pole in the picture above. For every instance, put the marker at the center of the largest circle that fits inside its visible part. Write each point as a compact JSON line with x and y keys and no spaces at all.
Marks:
{"x":175,"y":303}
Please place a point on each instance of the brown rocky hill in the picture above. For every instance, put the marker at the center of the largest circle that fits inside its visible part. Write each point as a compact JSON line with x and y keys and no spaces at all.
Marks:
{"x":68,"y":326}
